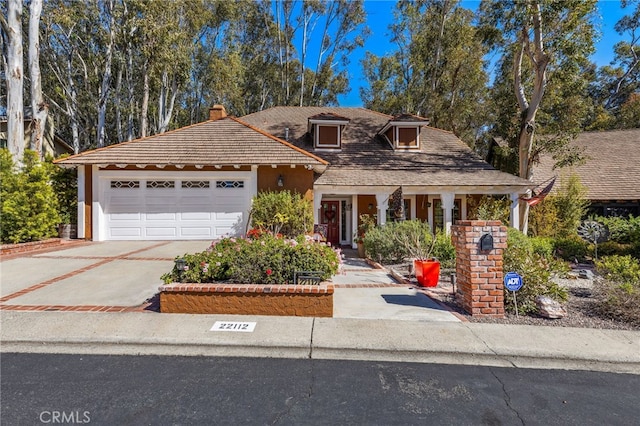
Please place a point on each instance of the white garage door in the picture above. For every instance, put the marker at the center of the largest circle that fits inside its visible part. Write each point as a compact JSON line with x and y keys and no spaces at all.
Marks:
{"x":175,"y":209}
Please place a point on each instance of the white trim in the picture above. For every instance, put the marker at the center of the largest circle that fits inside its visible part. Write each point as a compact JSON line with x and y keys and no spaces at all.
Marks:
{"x":396,"y":137}
{"x":316,"y":136}
{"x":412,"y":213}
{"x":420,"y":189}
{"x":382,"y":200}
{"x":329,"y":122}
{"x":97,"y":216}
{"x":514,"y":213}
{"x":354,"y":219}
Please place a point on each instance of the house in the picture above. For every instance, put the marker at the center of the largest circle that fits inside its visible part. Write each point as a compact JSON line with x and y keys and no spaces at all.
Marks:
{"x":52,"y":144}
{"x":611,"y":171}
{"x":197,"y":182}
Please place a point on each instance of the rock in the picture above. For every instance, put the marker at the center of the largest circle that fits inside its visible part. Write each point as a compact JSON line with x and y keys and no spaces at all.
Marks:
{"x":549,"y":308}
{"x":585,"y":274}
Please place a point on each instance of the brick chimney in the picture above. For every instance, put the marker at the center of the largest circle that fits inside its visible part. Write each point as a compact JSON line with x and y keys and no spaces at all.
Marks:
{"x":217,"y":112}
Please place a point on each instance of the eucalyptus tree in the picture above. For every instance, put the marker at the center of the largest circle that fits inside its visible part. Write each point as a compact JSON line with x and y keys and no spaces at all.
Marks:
{"x":543,"y":43}
{"x":437,"y":70}
{"x":616,"y":88}
{"x":70,"y":57}
{"x":39,"y":108}
{"x":14,"y":75}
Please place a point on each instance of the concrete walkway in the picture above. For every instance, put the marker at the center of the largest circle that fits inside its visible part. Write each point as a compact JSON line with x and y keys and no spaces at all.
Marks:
{"x":44,"y":296}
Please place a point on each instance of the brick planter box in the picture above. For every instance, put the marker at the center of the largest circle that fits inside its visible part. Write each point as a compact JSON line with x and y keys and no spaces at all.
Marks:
{"x":248,"y":299}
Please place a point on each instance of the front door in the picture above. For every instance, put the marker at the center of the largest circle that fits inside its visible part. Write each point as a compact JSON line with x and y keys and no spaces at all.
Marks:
{"x":329,"y":215}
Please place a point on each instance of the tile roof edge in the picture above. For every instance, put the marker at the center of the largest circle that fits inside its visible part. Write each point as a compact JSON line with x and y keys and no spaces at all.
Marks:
{"x":81,"y":154}
{"x":283,"y":142}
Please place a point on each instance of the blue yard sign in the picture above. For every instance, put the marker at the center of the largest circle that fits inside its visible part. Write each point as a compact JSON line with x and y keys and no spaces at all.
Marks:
{"x":512,"y":281}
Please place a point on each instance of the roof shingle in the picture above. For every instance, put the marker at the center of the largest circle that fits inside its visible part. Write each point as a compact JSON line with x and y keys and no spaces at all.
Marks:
{"x":612,"y":167}
{"x":227,"y":141}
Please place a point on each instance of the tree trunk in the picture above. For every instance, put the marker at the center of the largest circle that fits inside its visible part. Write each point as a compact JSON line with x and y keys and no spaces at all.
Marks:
{"x":144,"y":109}
{"x":165,"y":105}
{"x":103,"y":96}
{"x":39,"y":109}
{"x":118,"y":105}
{"x":15,"y":81}
{"x":528,"y":110}
{"x":130,"y":91}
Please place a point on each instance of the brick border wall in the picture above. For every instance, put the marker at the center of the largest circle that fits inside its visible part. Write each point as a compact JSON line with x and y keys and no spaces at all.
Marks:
{"x":248,"y":299}
{"x":479,"y":274}
{"x":8,"y":249}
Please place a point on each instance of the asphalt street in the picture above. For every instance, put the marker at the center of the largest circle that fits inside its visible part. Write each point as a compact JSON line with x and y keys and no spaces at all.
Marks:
{"x":159,"y":390}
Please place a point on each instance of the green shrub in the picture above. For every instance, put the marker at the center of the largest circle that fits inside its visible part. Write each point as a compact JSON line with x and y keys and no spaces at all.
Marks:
{"x":610,"y":248}
{"x":395,"y":242}
{"x":65,"y":185}
{"x":542,"y":246}
{"x":264,"y":260}
{"x":559,"y":214}
{"x":571,"y":204}
{"x":618,"y":292}
{"x":622,"y":269}
{"x":536,"y":272}
{"x":491,"y":208}
{"x":282,"y":212}
{"x":444,"y":250}
{"x":571,"y":248}
{"x":622,"y":230}
{"x":28,"y":204}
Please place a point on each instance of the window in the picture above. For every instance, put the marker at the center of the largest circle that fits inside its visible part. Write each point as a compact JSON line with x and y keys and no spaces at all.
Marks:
{"x":327,"y":136}
{"x":160,"y":184}
{"x":326,"y":130}
{"x":125,"y":184}
{"x":198,"y":184}
{"x":403,"y":131}
{"x":227,"y":184}
{"x":407,"y":137}
{"x":438,"y":213}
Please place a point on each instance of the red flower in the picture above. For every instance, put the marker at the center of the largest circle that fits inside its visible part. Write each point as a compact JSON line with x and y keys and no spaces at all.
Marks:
{"x":269,"y":272}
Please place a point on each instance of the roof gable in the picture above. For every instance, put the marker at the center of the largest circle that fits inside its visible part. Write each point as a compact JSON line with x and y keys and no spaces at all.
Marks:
{"x":227,"y":141}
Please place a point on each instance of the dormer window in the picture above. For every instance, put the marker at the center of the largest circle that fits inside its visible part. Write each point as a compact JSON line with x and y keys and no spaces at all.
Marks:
{"x":403,"y":131}
{"x":326,"y":130}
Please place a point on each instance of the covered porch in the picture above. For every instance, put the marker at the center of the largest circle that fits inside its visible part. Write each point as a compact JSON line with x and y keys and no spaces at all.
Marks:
{"x":339,"y":207}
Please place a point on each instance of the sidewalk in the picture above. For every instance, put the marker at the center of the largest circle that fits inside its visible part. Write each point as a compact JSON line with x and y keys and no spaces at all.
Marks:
{"x":44,"y":298}
{"x":137,"y":333}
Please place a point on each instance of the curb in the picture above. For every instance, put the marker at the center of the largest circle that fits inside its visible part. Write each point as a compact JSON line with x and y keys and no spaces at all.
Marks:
{"x":180,"y":348}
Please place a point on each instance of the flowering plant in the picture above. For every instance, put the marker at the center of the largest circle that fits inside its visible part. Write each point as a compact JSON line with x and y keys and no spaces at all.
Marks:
{"x":265,"y":260}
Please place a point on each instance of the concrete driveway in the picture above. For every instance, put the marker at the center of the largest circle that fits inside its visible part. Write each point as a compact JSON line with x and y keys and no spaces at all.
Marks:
{"x":105,"y":276}
{"x":123,"y":276}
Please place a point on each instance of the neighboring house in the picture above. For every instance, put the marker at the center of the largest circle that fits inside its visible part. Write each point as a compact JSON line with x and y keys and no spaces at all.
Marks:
{"x":197,"y":182}
{"x":611,"y":172}
{"x":52,"y":144}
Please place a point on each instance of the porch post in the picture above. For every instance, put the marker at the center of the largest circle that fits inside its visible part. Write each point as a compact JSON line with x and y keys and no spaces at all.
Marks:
{"x":514,"y":214}
{"x":383,"y":204}
{"x":317,"y":203}
{"x":447,"y":205}
{"x":354,"y":219}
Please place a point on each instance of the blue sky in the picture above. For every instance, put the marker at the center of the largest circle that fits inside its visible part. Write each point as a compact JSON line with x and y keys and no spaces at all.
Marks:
{"x":380,"y":15}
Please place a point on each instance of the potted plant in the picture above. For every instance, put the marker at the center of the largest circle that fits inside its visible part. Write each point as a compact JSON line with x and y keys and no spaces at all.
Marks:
{"x":66,"y":229}
{"x":367,"y":222}
{"x":418,"y":241}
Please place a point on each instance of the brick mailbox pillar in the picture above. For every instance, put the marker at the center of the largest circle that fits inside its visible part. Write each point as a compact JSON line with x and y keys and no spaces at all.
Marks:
{"x":479,"y":269}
